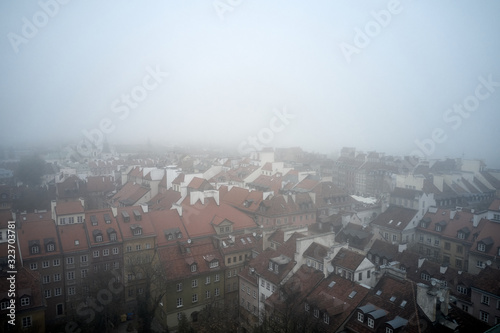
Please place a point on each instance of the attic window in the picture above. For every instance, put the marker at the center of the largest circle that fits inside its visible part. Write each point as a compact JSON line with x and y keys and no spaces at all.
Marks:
{"x":331,"y":284}
{"x":137,"y":231}
{"x":107,"y":219}
{"x":461,"y":235}
{"x":51,"y":247}
{"x":214,"y":263}
{"x":392,"y":299}
{"x":481,"y":247}
{"x":379,"y":292}
{"x":137,"y":215}
{"x":352,"y":294}
{"x":35,"y":249}
{"x":403,"y":303}
{"x":193,"y":268}
{"x":77,"y":242}
{"x":126,"y":217}
{"x":93,"y":220}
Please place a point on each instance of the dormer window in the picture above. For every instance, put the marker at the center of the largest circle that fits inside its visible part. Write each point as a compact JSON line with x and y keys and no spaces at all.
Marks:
{"x":214,"y":263}
{"x":438,"y":228}
{"x":51,"y":247}
{"x":35,"y":249}
{"x":481,"y":247}
{"x":138,"y":231}
{"x":270,"y":265}
{"x":93,"y":220}
{"x":193,"y":268}
{"x":98,"y":238}
{"x":112,"y":237}
{"x":97,"y":235}
{"x":461,"y":235}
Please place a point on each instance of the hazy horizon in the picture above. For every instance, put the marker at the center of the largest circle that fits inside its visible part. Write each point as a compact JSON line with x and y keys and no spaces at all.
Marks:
{"x":387,"y":76}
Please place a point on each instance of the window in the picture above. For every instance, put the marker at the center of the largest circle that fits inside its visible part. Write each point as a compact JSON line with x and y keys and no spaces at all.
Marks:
{"x":268,"y":286}
{"x":137,"y":232}
{"x":112,"y":237}
{"x":371,"y":322}
{"x":388,"y":330}
{"x":84,"y":273}
{"x":194,"y":298}
{"x":462,"y":290}
{"x":105,"y":252}
{"x":481,"y":247}
{"x":480,"y":264}
{"x":194,"y":283}
{"x":421,"y":239}
{"x":326,"y":318}
{"x":367,"y":274}
{"x":57,"y":292}
{"x":217,"y":292}
{"x":461,"y":235}
{"x":179,"y":302}
{"x":70,"y":260}
{"x":33,"y":266}
{"x":306,"y":307}
{"x":207,"y":280}
{"x":96,"y":254}
{"x":84,"y":258}
{"x":46,"y":279}
{"x":27,"y":322}
{"x":56,"y":262}
{"x":465,"y":308}
{"x":207,"y":294}
{"x":361,"y":317}
{"x":179,"y":286}
{"x":193,"y":268}
{"x":436,"y":242}
{"x":360,"y":276}
{"x":460,"y":249}
{"x":129,"y":248}
{"x":484,"y":316}
{"x":59,"y":309}
{"x":458,"y":263}
{"x":115,"y":250}
{"x":70,"y":275}
{"x":394,"y":238}
{"x":138,"y":247}
{"x":316,"y":313}
{"x":425,"y":277}
{"x":485,"y":300}
{"x":51,"y":248}
{"x":98,"y":238}
{"x":71,"y":290}
{"x":254,"y":294}
{"x":25,"y":301}
{"x":214,"y":263}
{"x":217,"y":277}
{"x":47,"y":293}
{"x":57,"y":277}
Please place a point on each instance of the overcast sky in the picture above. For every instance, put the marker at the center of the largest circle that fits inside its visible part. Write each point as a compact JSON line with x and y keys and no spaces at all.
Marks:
{"x":377,"y":75}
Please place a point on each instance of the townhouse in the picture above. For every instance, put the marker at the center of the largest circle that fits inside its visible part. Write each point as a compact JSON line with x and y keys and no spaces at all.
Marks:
{"x":139,"y":241}
{"x":194,"y":271}
{"x":396,"y":225}
{"x":485,"y":251}
{"x":41,"y":252}
{"x":447,"y":235}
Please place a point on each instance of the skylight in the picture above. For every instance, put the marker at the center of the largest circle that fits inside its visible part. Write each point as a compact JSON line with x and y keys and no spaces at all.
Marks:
{"x":378,"y":293}
{"x":352,"y":294}
{"x":403,"y":303}
{"x":243,"y":241}
{"x":392,"y":299}
{"x":399,"y":223}
{"x":390,"y":221}
{"x":331,"y":284}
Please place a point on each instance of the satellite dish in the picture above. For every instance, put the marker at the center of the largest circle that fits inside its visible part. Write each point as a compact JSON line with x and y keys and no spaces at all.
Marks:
{"x":329,"y":268}
{"x":441,"y":299}
{"x":433,"y":282}
{"x":254,"y":234}
{"x":189,"y":241}
{"x":488,"y":263}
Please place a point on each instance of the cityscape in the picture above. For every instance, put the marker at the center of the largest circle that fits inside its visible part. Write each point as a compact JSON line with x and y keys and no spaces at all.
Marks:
{"x":250,"y":167}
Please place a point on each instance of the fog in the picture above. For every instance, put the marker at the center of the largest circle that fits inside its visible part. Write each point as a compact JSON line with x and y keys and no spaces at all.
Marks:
{"x":401,"y":77}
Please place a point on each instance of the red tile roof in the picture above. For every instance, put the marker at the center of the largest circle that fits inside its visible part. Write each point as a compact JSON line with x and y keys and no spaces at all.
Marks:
{"x":348,"y":259}
{"x":393,"y":215}
{"x":130,"y":194}
{"x":127,"y":228}
{"x":102,"y":217}
{"x":73,"y":237}
{"x":165,"y":200}
{"x":199,"y":218}
{"x":39,"y":232}
{"x":168,"y":224}
{"x":69,"y":207}
{"x":100,"y":184}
